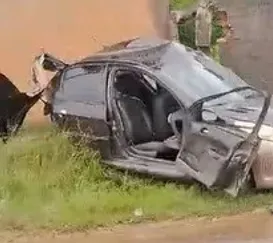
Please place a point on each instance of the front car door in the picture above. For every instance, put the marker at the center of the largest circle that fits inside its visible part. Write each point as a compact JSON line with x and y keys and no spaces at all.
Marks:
{"x":219,"y":156}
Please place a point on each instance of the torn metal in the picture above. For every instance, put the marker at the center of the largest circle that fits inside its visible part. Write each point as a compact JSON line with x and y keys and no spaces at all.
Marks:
{"x":16,"y":104}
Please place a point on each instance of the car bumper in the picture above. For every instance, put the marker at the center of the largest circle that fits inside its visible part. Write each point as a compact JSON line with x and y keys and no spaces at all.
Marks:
{"x":263,"y":166}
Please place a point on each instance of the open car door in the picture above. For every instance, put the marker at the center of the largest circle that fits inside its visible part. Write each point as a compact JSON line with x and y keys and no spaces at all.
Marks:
{"x":45,"y":71}
{"x":218,"y":156}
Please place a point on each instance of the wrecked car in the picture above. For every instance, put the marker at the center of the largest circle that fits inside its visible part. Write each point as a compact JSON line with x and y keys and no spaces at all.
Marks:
{"x":160,"y":108}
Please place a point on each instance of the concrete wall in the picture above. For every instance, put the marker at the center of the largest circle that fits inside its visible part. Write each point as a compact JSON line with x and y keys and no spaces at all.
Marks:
{"x":249,"y":52}
{"x":71,"y":29}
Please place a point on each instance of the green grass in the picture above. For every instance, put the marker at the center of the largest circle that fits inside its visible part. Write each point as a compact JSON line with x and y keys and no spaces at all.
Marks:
{"x":180,"y":4}
{"x":187,"y":30}
{"x":47,"y":182}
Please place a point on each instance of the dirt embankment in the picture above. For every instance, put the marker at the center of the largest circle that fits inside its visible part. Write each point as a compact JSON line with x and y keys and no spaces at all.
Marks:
{"x":70,"y":30}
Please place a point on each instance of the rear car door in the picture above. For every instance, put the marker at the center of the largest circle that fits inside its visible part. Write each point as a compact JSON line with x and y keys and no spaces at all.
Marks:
{"x":217,"y":156}
{"x":79,"y":104}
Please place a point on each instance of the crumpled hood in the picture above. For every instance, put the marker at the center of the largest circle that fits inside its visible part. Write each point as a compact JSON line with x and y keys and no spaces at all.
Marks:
{"x":245,"y":115}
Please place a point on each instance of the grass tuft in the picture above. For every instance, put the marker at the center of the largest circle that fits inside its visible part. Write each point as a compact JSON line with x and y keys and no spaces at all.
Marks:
{"x":45,"y":181}
{"x":181,"y":4}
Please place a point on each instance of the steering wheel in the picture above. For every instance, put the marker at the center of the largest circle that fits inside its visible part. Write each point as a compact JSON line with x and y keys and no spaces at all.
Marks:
{"x":173,"y":118}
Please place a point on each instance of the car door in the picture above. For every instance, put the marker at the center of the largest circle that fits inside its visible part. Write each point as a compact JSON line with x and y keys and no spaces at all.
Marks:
{"x":217,"y":156}
{"x":79,"y":105}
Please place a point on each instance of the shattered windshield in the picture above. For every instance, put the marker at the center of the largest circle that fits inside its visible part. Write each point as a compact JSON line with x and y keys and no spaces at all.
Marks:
{"x":196,"y":76}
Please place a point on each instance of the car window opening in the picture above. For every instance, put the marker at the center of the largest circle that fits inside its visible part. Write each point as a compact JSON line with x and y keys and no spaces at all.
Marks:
{"x":144,"y":107}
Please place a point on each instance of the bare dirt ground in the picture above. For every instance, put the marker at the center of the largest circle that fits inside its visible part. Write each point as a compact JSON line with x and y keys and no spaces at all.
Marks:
{"x":255,"y":227}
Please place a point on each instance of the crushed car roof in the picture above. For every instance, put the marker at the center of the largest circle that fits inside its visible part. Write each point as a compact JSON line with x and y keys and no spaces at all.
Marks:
{"x":136,"y":50}
{"x":176,"y":65}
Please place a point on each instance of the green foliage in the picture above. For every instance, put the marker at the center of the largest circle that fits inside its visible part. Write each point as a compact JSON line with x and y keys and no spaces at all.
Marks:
{"x":187,"y":29}
{"x":217,"y":31}
{"x":187,"y":33}
{"x":180,"y":4}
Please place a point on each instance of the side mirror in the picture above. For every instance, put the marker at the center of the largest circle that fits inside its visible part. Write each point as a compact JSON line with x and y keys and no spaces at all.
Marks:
{"x":208,"y":115}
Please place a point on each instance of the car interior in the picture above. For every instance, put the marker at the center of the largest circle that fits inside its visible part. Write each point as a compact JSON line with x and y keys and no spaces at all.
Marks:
{"x":144,"y":107}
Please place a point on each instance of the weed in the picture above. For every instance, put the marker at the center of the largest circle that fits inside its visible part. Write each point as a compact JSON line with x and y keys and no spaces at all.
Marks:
{"x":180,"y":4}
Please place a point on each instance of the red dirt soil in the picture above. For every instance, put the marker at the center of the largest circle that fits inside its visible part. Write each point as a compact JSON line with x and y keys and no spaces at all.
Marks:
{"x":70,"y":30}
{"x":236,"y":229}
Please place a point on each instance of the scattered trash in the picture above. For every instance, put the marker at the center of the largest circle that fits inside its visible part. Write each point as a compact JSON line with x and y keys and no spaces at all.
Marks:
{"x":138,"y":212}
